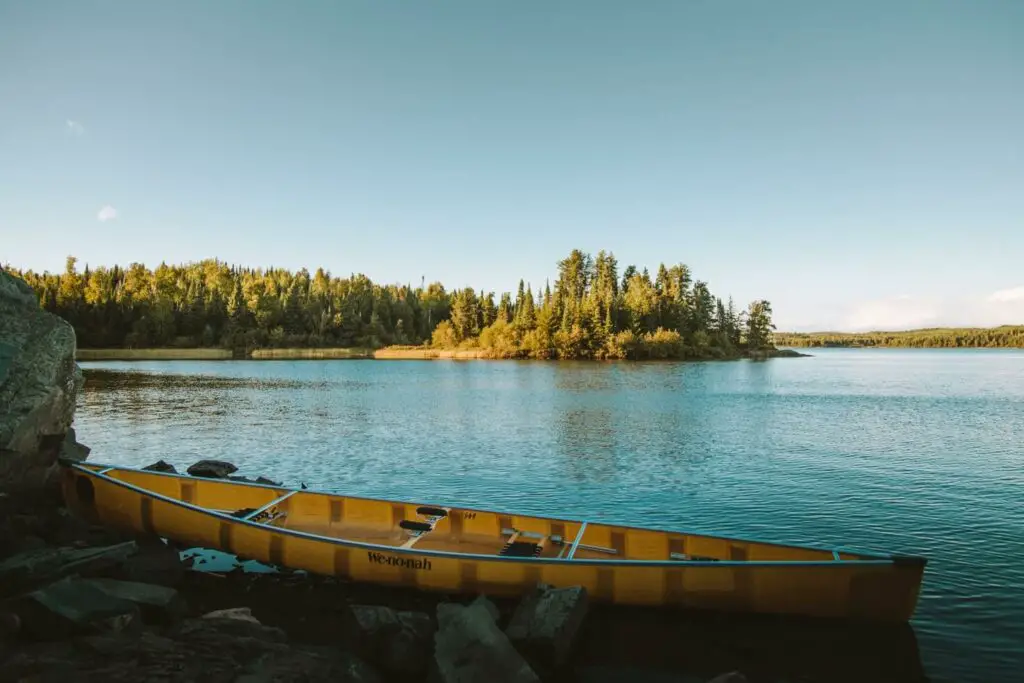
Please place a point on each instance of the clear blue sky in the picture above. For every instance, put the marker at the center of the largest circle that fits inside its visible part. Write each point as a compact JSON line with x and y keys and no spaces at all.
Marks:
{"x":858,"y":164}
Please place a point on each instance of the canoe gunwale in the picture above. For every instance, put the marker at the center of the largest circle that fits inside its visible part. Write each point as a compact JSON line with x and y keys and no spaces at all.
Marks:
{"x":872,"y":559}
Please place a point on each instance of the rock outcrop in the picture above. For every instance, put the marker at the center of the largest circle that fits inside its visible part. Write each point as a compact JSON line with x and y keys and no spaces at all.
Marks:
{"x":469,"y":646}
{"x":546,"y":624}
{"x":212,"y":469}
{"x":399,"y":643}
{"x":39,"y":382}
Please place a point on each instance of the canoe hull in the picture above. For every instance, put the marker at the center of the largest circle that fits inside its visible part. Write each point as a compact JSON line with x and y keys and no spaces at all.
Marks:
{"x":871,"y":590}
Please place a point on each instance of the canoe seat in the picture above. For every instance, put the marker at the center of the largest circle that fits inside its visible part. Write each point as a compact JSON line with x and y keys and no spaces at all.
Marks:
{"x":521,"y":549}
{"x":261,"y":516}
{"x":413,"y":525}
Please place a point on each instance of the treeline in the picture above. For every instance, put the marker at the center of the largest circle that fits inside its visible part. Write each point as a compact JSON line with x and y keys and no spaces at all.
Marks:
{"x":590,"y":311}
{"x":1007,"y":336}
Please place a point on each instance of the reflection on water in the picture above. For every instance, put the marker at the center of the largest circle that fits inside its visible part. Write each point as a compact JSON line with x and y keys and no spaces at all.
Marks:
{"x":903,"y":451}
{"x":586,"y":441}
{"x":702,"y":645}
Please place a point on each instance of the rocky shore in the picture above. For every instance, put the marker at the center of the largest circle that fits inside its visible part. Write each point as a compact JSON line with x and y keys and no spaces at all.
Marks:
{"x":84,"y":603}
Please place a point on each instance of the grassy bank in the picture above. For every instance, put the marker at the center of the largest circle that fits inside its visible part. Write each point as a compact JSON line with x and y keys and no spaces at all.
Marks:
{"x":425,"y":353}
{"x":153,"y":354}
{"x":312,"y":354}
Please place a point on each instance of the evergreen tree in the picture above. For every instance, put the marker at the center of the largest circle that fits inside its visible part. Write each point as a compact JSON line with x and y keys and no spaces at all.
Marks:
{"x":589,"y":312}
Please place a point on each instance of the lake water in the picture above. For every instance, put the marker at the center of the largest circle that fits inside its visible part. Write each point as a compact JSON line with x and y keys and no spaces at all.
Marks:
{"x":915,"y":451}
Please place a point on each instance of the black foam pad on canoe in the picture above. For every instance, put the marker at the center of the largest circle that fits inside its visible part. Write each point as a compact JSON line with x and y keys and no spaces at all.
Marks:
{"x":520,"y":549}
{"x":411,"y":525}
{"x":431,"y":512}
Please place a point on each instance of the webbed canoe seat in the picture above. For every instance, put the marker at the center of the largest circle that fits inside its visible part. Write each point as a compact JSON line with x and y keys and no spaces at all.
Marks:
{"x":419,"y":529}
{"x":521,"y":549}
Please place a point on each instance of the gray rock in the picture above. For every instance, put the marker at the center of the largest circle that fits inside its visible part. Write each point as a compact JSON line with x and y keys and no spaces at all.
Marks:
{"x":257,"y":480}
{"x":161,"y":466}
{"x":212,"y":469}
{"x":157,"y":604}
{"x":212,"y":650}
{"x":546,"y":623}
{"x":30,"y":570}
{"x":618,"y":674}
{"x":239,"y":613}
{"x":354,"y":670}
{"x":10,"y":624}
{"x":71,"y":449}
{"x":156,"y":562}
{"x":731,"y":677}
{"x":303,"y":666}
{"x":229,"y":625}
{"x":72,"y":607}
{"x":469,"y":646}
{"x":39,"y":382}
{"x":397,"y":642}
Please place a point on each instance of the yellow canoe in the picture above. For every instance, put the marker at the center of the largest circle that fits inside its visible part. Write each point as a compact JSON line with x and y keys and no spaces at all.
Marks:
{"x":464,"y":550}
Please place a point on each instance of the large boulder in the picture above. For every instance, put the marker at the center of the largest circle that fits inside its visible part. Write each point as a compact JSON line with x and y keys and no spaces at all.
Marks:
{"x":72,"y":607}
{"x":546,"y":624}
{"x":469,"y":646}
{"x":157,"y":604}
{"x":35,"y":568}
{"x":212,"y":469}
{"x":39,"y":382}
{"x":399,"y":643}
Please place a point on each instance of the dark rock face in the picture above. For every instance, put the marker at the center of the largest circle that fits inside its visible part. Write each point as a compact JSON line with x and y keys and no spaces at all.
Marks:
{"x":212,"y":469}
{"x":731,"y":677}
{"x":155,"y":562}
{"x":214,"y":650}
{"x":399,"y":643}
{"x":257,"y":480}
{"x":39,"y":382}
{"x":546,"y":624}
{"x":157,"y":604}
{"x":72,"y":607}
{"x":469,"y":646}
{"x":32,"y":569}
{"x":161,"y":466}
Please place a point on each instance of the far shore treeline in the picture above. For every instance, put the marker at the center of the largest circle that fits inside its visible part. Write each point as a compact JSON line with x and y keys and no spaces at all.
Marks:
{"x":590,"y":311}
{"x":1007,"y":336}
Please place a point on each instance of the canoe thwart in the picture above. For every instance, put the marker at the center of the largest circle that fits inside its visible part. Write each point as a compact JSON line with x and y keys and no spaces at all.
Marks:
{"x":258,"y":512}
{"x":576,"y":541}
{"x":556,"y":539}
{"x":680,"y":557}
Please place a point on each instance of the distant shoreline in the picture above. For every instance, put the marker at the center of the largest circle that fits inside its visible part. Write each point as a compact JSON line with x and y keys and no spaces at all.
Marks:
{"x":387,"y":353}
{"x":1007,"y":336}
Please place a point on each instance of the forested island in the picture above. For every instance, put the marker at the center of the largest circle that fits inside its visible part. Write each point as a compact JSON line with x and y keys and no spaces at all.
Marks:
{"x":1007,"y":336}
{"x":589,"y":312}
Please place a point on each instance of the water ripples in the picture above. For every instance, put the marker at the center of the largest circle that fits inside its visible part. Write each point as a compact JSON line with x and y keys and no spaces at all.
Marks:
{"x":903,"y":451}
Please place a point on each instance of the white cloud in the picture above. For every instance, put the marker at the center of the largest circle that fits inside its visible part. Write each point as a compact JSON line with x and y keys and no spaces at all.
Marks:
{"x":906,"y":312}
{"x":107,"y":213}
{"x":1003,"y":307}
{"x":74,"y":127}
{"x":1007,"y":295}
{"x":901,"y":312}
